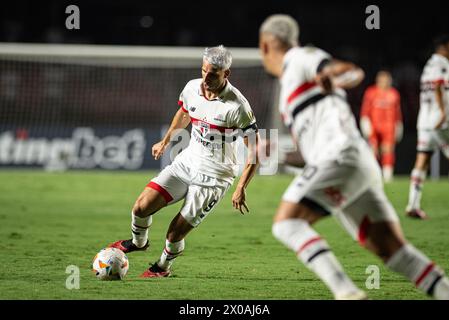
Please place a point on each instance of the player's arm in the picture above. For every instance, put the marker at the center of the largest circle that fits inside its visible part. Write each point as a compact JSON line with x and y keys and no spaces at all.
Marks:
{"x":180,"y":121}
{"x":294,"y":159}
{"x":365,"y":121}
{"x":340,"y":74}
{"x":399,"y":129}
{"x":239,"y":196}
{"x":439,"y":99}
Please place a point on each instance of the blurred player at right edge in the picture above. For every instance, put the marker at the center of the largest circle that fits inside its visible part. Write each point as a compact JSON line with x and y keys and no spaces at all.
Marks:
{"x":433,"y":121}
{"x":341,"y":176}
{"x":381,"y":121}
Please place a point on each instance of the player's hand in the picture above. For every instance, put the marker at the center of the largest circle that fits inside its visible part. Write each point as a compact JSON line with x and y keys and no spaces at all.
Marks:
{"x":324,"y":80}
{"x":238,"y":200}
{"x":399,"y":131}
{"x":158,"y":149}
{"x":366,"y":127}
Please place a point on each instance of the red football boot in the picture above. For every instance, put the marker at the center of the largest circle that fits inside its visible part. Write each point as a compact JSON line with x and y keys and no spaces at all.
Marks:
{"x":417,"y":214}
{"x":128,"y":246}
{"x":154,"y":271}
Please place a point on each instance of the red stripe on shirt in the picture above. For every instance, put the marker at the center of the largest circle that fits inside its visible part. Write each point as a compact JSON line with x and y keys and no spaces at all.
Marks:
{"x":211,"y":126}
{"x":434,"y":82}
{"x":303,"y":87}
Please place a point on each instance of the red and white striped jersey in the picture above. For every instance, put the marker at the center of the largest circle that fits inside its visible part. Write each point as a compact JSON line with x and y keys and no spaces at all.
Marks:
{"x":216,"y":125}
{"x":436,"y":71}
{"x":322,"y":125}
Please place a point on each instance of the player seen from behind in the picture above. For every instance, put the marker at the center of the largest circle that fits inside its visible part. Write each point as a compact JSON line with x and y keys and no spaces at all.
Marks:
{"x":341,"y":176}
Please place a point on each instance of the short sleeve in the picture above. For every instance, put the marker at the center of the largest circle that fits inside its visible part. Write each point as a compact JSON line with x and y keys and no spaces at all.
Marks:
{"x":243,"y":119}
{"x":182,"y":101}
{"x":316,"y":60}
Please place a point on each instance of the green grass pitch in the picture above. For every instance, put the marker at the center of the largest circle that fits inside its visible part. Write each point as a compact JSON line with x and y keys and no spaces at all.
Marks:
{"x":49,"y":221}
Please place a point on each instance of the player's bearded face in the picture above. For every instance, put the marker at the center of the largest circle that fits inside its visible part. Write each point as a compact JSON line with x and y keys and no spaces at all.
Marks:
{"x":213,"y":78}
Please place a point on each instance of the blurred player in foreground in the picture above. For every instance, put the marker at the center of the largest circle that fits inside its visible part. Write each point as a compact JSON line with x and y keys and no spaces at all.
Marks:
{"x":204,"y":171}
{"x":341,"y":176}
{"x":381,"y":121}
{"x":433,"y":121}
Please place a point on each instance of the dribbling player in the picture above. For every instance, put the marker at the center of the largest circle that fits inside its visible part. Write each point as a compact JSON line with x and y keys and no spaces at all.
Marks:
{"x":203,"y":172}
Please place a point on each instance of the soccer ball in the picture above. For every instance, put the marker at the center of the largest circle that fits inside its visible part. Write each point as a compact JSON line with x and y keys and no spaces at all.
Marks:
{"x":110,"y":264}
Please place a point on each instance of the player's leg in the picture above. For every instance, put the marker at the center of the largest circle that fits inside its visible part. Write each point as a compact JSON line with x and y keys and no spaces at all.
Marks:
{"x":373,"y":141}
{"x":149,"y":202}
{"x":417,"y":179}
{"x":164,"y":189}
{"x":298,"y":210}
{"x":372,"y":220}
{"x":387,"y":157}
{"x":425,"y":147}
{"x":200,"y":201}
{"x":443,"y":141}
{"x":174,"y":246}
{"x":387,"y":241}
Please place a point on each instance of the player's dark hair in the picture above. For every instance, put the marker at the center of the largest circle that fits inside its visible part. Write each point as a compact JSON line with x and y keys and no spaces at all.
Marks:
{"x":440,"y":40}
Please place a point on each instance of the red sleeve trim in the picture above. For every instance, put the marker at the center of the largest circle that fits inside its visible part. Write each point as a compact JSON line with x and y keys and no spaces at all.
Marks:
{"x":181,"y":104}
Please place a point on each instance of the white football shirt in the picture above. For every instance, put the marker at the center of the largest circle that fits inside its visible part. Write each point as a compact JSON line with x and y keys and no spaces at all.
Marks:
{"x":322,"y":125}
{"x":436,"y":71}
{"x":216,"y":125}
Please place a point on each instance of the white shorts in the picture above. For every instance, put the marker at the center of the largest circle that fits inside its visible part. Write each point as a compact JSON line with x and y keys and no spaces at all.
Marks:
{"x":201,"y":193}
{"x":353,"y":194}
{"x":429,"y":140}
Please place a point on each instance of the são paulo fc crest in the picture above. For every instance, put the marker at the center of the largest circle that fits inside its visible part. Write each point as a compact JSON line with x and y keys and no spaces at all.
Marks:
{"x":205,"y":128}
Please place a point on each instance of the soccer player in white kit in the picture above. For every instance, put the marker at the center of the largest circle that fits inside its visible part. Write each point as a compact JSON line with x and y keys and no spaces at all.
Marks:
{"x":433,"y":121}
{"x":341,"y":176}
{"x":203,"y":172}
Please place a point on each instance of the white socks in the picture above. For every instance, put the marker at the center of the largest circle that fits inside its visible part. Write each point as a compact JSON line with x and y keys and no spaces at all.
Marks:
{"x":170,"y":252}
{"x":414,"y":265}
{"x":315,"y":253}
{"x":416,"y":184}
{"x":139,"y":228}
{"x":387,"y":172}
